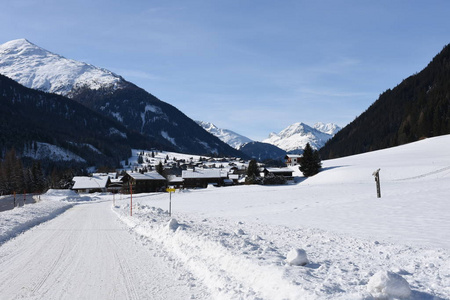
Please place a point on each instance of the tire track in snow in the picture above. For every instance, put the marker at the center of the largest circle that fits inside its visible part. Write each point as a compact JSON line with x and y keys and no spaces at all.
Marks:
{"x":48,"y":272}
{"x":425,"y":175}
{"x":126,"y":272}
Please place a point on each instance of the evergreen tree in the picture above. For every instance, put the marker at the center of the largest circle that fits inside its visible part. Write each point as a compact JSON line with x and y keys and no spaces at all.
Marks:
{"x":310,"y":163}
{"x":253,"y":169}
{"x":160,"y":168}
{"x":252,"y":173}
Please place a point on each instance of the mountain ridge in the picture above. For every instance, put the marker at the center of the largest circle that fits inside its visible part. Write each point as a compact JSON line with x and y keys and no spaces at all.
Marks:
{"x":110,"y":95}
{"x":230,"y":137}
{"x":294,"y":138}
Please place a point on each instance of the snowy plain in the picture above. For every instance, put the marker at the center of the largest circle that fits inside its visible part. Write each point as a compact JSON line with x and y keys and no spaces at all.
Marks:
{"x":234,"y":242}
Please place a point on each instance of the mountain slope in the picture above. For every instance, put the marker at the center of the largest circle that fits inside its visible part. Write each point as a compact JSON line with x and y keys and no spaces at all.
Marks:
{"x":295,"y":137}
{"x":263,"y":151}
{"x":110,"y":95}
{"x":31,"y":120}
{"x":418,"y":107}
{"x":232,"y":138}
{"x":40,"y":69}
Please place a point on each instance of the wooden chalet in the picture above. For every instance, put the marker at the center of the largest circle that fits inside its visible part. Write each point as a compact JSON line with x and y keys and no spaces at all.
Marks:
{"x":143,"y":183}
{"x":85,"y":184}
{"x":292,"y":159}
{"x":285,"y":172}
{"x":200,"y":178}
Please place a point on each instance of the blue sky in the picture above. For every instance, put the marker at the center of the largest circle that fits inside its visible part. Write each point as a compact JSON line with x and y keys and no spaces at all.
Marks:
{"x":254,"y":67}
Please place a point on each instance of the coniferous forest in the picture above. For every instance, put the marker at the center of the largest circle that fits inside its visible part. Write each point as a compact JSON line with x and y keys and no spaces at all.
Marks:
{"x":417,"y":108}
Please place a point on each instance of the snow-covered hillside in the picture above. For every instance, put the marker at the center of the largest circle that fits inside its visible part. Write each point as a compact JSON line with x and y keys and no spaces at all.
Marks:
{"x":295,"y":137}
{"x":232,"y":138}
{"x":40,"y":69}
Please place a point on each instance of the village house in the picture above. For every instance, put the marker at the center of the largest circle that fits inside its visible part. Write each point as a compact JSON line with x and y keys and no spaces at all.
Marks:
{"x":143,"y":182}
{"x":285,"y":172}
{"x":176,"y":182}
{"x":202,"y":177}
{"x":292,"y":159}
{"x":85,"y":184}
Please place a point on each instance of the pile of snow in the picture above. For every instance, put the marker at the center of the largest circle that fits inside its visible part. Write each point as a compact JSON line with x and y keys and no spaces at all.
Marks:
{"x":297,"y":257}
{"x":173,"y":225}
{"x":388,"y":285}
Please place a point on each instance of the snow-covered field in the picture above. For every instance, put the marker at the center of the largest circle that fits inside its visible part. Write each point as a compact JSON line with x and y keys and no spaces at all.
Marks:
{"x":326,"y":237}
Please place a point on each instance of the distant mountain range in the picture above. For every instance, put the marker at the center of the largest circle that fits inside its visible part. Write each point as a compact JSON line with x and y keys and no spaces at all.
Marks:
{"x":417,"y":108}
{"x":109,"y":95}
{"x":293,"y":139}
{"x":232,"y":138}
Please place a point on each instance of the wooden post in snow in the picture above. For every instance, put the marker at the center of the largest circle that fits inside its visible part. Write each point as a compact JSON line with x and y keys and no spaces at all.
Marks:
{"x":131,"y":199}
{"x":377,"y":181}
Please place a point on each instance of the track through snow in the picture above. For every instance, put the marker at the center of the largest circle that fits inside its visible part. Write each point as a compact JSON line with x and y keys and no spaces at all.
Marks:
{"x":86,"y":253}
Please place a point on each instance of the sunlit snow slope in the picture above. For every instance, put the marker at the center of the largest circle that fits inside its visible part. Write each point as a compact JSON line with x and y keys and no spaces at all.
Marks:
{"x":40,"y":69}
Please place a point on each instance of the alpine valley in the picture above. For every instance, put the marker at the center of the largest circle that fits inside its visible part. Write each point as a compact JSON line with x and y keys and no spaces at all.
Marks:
{"x":132,"y":109}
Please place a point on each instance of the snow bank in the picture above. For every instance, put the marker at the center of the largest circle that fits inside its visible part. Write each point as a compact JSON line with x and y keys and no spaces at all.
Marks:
{"x":388,"y":285}
{"x":19,"y":219}
{"x":223,"y":260}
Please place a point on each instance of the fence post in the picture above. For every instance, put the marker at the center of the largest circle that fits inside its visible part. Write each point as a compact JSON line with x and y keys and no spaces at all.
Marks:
{"x":377,"y":181}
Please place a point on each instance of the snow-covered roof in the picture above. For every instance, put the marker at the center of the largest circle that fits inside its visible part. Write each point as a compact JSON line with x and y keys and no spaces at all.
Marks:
{"x":152,"y":175}
{"x":294,"y":155}
{"x":279,"y":170}
{"x":203,"y":173}
{"x":84,"y":182}
{"x":175,"y":179}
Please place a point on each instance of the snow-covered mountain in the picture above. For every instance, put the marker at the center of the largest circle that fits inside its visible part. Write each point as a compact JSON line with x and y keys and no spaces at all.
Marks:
{"x":110,"y":95}
{"x":329,"y":128}
{"x":295,"y":137}
{"x":232,"y":138}
{"x":43,"y":70}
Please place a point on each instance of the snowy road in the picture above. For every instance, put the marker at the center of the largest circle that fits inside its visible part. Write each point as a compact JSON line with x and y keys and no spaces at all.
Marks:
{"x":86,"y":253}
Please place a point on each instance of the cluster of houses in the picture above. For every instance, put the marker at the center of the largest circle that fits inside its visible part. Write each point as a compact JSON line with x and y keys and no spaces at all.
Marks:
{"x":144,"y":181}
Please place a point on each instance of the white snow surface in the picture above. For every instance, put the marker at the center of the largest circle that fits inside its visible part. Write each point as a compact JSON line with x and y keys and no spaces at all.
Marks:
{"x":232,"y":138}
{"x":295,"y":137}
{"x":40,"y":69}
{"x":234,"y":242}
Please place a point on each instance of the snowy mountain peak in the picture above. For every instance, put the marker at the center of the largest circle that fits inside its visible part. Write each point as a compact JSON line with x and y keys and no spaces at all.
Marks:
{"x":232,"y":138}
{"x":37,"y":68}
{"x":295,"y":137}
{"x":329,"y":128}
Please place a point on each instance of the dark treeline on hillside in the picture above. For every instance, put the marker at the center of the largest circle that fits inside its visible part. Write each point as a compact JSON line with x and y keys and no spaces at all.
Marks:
{"x":17,"y":176}
{"x":29,"y":117}
{"x":417,"y":108}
